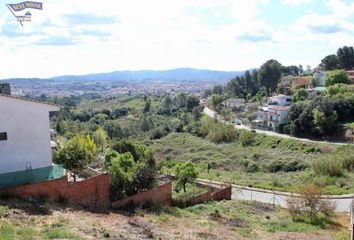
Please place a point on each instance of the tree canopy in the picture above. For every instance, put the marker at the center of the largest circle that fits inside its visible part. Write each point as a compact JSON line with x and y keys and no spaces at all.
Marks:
{"x":335,"y":77}
{"x":185,"y":173}
{"x":346,"y":57}
{"x":76,"y":154}
{"x":269,"y":75}
{"x":330,"y":62}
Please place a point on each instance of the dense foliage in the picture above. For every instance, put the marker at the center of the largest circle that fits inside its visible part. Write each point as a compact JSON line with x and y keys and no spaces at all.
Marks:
{"x":132,"y":168}
{"x":76,"y":154}
{"x":322,"y":115}
{"x":335,"y":77}
{"x":343,"y":59}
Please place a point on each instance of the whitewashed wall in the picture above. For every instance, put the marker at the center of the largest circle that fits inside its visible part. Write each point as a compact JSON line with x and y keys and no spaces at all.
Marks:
{"x":27,"y":127}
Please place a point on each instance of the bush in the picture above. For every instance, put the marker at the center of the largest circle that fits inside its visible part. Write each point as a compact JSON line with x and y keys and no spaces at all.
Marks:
{"x":330,"y":167}
{"x":294,"y":166}
{"x":158,"y":133}
{"x":246,"y":138}
{"x":309,"y":205}
{"x":286,"y":166}
{"x":346,"y":156}
{"x":252,"y":167}
{"x":218,"y":132}
{"x":337,"y":76}
{"x":275,"y":166}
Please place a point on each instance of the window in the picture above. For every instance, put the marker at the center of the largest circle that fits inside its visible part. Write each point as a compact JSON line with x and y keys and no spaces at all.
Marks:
{"x":3,"y":136}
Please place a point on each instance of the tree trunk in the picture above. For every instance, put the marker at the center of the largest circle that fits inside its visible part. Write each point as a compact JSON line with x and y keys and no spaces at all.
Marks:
{"x":184,"y":187}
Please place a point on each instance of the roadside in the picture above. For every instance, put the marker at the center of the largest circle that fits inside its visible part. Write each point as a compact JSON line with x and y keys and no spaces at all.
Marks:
{"x":342,"y":202}
{"x":212,"y":113}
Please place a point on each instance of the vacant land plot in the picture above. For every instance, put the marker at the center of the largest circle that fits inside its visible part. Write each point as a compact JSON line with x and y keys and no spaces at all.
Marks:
{"x":268,"y":163}
{"x":214,"y":220}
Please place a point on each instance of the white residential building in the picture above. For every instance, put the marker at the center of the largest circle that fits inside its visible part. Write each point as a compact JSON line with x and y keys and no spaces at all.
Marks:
{"x":25,"y":146}
{"x":274,"y":113}
{"x":281,"y":100}
{"x":235,"y":103}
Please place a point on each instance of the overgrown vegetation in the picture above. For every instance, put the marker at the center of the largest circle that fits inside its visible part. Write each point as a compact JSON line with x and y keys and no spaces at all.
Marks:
{"x":132,"y":168}
{"x":182,"y":134}
{"x":310,"y":207}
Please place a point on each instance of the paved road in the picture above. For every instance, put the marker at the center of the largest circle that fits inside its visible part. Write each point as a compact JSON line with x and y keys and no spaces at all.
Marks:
{"x":342,"y":202}
{"x":212,"y":113}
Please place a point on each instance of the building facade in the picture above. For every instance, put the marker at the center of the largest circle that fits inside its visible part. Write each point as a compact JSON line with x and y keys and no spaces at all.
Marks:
{"x":25,"y":145}
{"x":275,"y":113}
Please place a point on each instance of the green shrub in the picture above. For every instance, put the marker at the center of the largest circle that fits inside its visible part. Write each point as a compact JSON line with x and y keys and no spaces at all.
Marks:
{"x":252,"y":167}
{"x":287,"y":129}
{"x":346,"y":156}
{"x":294,"y":166}
{"x":313,"y":150}
{"x":286,"y":166}
{"x":275,"y":166}
{"x":246,"y":138}
{"x":330,"y":167}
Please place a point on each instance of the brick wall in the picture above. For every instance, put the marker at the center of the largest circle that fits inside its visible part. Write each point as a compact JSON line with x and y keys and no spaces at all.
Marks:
{"x":222,"y":194}
{"x":51,"y":189}
{"x":159,"y":195}
{"x":204,"y":197}
{"x":92,"y":192}
{"x":216,"y":194}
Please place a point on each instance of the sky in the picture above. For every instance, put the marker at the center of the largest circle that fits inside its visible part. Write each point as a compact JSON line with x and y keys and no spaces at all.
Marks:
{"x":81,"y":37}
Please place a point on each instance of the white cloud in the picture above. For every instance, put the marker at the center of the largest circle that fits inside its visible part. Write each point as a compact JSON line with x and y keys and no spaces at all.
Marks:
{"x":160,"y":34}
{"x":295,"y":2}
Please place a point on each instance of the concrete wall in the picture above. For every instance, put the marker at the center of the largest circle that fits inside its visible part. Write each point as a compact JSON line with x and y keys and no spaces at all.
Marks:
{"x":159,"y":195}
{"x":27,"y":127}
{"x":92,"y":193}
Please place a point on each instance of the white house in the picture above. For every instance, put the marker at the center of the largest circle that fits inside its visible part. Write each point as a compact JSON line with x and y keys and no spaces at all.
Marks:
{"x":25,"y":147}
{"x":276,"y":115}
{"x":238,"y":103}
{"x":281,"y":100}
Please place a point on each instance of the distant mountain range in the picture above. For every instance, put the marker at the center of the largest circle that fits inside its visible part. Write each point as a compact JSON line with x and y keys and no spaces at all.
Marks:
{"x":179,"y":74}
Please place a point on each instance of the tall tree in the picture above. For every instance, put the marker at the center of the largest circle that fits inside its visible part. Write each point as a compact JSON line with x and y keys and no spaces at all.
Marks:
{"x":248,"y":81}
{"x":331,"y":62}
{"x":346,"y":57}
{"x":269,"y":75}
{"x":192,"y":102}
{"x":100,"y":138}
{"x":181,"y":100}
{"x":167,"y":105}
{"x":147,"y":106}
{"x":218,"y":89}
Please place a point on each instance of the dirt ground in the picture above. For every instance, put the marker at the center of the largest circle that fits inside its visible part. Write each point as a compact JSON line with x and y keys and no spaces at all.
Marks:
{"x":148,"y":225}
